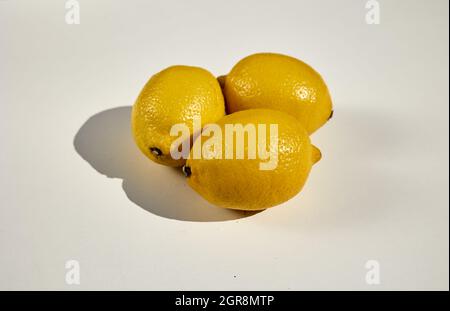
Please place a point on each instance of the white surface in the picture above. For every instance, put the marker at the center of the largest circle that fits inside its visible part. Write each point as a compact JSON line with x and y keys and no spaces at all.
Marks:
{"x":380,"y":191}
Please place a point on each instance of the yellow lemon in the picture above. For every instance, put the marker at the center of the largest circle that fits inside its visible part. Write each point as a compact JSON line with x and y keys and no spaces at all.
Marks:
{"x":257,"y":182}
{"x":175,"y":95}
{"x":280,"y":82}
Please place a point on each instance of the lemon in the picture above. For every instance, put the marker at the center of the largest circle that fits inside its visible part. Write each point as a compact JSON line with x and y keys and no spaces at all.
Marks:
{"x":275,"y":81}
{"x":241,"y":183}
{"x":175,"y":95}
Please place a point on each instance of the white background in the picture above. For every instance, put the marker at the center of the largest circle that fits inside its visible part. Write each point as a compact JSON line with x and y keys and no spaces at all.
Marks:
{"x":74,"y":186}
